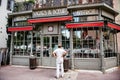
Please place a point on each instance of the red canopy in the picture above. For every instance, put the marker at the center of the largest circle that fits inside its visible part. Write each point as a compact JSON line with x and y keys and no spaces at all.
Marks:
{"x":92,"y":24}
{"x":50,"y":19}
{"x":114,"y":26}
{"x":25,"y":28}
{"x":85,"y":24}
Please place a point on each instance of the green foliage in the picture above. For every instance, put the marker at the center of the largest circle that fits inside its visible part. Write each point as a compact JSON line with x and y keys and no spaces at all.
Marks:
{"x":31,"y":1}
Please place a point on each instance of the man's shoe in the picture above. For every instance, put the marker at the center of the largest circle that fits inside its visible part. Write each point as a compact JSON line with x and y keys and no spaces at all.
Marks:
{"x":56,"y":77}
{"x":62,"y":76}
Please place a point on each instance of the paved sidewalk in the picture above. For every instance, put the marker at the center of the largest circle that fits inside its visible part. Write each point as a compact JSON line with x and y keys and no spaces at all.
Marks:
{"x":110,"y":74}
{"x":24,"y":73}
{"x":70,"y":75}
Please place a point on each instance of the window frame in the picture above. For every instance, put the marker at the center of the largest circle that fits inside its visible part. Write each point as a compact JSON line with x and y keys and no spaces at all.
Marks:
{"x":0,"y":2}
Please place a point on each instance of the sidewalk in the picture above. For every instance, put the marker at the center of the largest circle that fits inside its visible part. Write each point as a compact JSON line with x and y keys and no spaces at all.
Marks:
{"x":111,"y":74}
{"x":24,"y":73}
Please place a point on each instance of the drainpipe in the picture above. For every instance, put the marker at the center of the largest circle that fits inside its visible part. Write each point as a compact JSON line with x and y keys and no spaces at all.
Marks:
{"x":71,"y":49}
{"x":11,"y":48}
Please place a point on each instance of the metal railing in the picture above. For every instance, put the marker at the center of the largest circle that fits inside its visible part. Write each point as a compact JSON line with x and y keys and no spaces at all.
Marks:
{"x":25,"y":6}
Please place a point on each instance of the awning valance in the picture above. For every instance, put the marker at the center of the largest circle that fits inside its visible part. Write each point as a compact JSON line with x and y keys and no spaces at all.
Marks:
{"x":25,"y":28}
{"x":93,"y":24}
{"x":50,"y":19}
{"x":84,"y":24}
{"x":114,"y":26}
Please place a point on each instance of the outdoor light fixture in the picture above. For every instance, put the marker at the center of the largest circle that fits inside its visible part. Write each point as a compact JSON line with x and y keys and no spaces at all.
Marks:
{"x":106,"y":34}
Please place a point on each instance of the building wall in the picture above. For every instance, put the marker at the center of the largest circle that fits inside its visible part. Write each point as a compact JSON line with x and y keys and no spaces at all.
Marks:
{"x":117,"y":7}
{"x":3,"y":23}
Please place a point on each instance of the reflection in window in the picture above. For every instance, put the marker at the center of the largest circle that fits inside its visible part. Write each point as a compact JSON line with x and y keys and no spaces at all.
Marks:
{"x":85,"y":18}
{"x":76,"y":39}
{"x":65,"y":37}
{"x":36,"y":43}
{"x":54,"y":42}
{"x":86,"y":43}
{"x":21,"y":43}
{"x":46,"y":45}
{"x":76,"y":19}
{"x":10,"y":4}
{"x":109,"y":44}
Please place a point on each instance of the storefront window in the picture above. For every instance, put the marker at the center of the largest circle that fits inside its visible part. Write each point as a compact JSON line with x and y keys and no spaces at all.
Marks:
{"x":65,"y":37}
{"x":36,"y":43}
{"x":21,"y":43}
{"x":86,"y":43}
{"x":109,"y":44}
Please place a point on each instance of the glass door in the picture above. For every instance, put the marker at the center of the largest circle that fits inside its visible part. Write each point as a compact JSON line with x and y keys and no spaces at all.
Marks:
{"x":50,"y":43}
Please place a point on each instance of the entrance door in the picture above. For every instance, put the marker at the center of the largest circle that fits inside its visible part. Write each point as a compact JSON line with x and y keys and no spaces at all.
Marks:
{"x":50,"y":43}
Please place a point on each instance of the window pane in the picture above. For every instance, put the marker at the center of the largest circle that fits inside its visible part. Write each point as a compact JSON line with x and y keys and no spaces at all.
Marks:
{"x":22,"y":41}
{"x":86,"y":43}
{"x":109,"y":44}
{"x":85,"y":18}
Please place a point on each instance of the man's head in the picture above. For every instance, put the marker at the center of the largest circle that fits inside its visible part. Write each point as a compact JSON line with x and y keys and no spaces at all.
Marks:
{"x":59,"y":45}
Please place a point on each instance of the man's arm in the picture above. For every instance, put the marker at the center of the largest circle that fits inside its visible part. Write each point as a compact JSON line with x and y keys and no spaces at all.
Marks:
{"x":64,"y":54}
{"x":54,"y":54}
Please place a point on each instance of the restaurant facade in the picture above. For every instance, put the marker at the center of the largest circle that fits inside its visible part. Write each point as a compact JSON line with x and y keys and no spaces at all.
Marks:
{"x":86,"y":29}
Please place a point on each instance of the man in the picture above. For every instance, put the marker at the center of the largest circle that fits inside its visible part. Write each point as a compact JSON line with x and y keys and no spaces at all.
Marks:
{"x":59,"y":53}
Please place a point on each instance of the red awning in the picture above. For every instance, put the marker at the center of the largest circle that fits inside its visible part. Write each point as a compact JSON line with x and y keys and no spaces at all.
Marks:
{"x":114,"y":26}
{"x":85,"y":24}
{"x":92,"y":24}
{"x":25,"y":28}
{"x":51,"y":19}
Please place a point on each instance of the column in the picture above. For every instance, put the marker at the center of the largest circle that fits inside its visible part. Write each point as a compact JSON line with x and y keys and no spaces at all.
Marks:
{"x":102,"y":52}
{"x":11,"y":48}
{"x":71,"y":48}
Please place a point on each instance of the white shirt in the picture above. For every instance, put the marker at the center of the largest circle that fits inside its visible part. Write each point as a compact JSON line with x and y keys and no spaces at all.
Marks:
{"x":59,"y":53}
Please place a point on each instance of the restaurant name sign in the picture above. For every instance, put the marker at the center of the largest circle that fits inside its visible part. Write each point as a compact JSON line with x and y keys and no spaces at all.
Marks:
{"x":50,"y":12}
{"x":21,"y":18}
{"x":85,"y":12}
